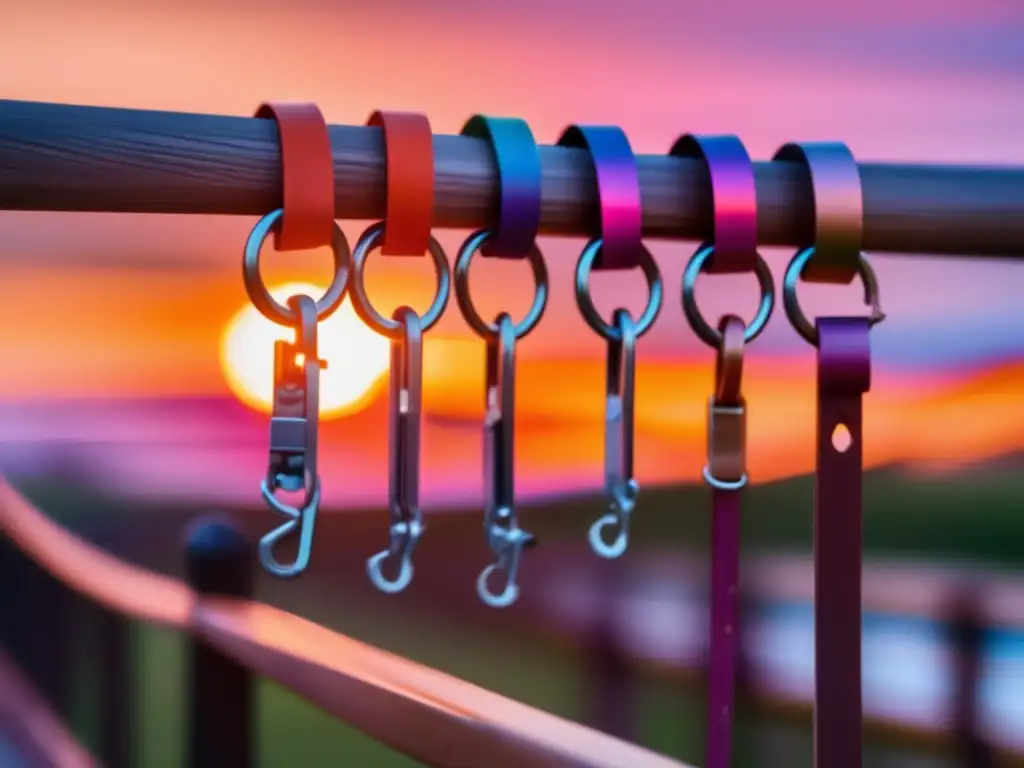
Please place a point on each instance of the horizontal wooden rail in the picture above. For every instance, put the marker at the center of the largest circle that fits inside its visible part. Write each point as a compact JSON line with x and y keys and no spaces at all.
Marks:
{"x":571,"y":599}
{"x":430,"y":716}
{"x":55,"y":157}
{"x":38,"y":733}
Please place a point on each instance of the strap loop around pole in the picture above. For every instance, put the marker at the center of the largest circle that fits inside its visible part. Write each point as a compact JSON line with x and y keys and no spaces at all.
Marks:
{"x":838,"y":210}
{"x":307,"y":170}
{"x":409,"y":171}
{"x":618,"y":189}
{"x":515,"y":154}
{"x":733,"y":198}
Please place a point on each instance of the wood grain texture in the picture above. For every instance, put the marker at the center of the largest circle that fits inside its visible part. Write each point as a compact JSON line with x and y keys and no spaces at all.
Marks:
{"x":423,"y":713}
{"x":56,"y":157}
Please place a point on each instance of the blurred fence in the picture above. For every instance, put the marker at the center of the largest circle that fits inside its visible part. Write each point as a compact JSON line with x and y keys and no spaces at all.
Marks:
{"x":943,"y":645}
{"x":56,"y":586}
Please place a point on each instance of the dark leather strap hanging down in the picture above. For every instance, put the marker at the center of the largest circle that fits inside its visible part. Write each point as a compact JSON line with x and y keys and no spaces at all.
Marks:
{"x":732,"y":249}
{"x":727,"y":475}
{"x":844,"y":375}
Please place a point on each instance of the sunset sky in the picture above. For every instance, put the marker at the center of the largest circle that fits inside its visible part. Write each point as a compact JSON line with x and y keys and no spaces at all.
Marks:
{"x":130,"y":307}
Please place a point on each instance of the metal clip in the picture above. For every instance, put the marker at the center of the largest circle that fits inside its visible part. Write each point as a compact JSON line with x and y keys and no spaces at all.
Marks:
{"x":405,"y":402}
{"x":501,"y":528}
{"x":294,"y":425}
{"x":619,"y":485}
{"x":727,"y":412}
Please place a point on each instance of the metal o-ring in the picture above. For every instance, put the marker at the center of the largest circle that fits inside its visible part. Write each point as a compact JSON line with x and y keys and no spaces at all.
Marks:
{"x":475,"y":243}
{"x":260,"y":297}
{"x":705,"y":332}
{"x":586,"y":304}
{"x":361,"y":303}
{"x":791,"y":301}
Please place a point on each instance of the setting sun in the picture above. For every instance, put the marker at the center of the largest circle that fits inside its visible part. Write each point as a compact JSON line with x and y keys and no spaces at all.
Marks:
{"x":357,"y":358}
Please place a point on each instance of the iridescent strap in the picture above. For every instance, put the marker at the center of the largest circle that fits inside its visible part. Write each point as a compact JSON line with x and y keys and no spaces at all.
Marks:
{"x":844,"y":375}
{"x":733,"y":199}
{"x":726,"y":473}
{"x":732,"y":248}
{"x":519,"y":184}
{"x":839,"y":209}
{"x":618,"y":190}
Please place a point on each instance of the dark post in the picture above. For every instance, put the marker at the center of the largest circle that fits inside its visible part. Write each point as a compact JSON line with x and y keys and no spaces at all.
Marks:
{"x":608,"y":678}
{"x":36,"y":626}
{"x":116,"y":661}
{"x":966,"y":631}
{"x":220,"y":699}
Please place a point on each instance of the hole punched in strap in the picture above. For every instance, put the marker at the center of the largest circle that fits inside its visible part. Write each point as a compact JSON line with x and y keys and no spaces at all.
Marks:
{"x":844,"y":376}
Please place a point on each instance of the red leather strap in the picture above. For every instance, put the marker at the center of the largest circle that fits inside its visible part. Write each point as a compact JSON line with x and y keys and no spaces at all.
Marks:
{"x":844,"y":375}
{"x":307,"y":171}
{"x":409,"y":157}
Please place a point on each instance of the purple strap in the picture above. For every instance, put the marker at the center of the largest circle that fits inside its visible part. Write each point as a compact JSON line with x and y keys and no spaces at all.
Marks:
{"x":726,"y":473}
{"x":844,"y":375}
{"x":733,"y":196}
{"x":618,"y":192}
{"x":725,"y":560}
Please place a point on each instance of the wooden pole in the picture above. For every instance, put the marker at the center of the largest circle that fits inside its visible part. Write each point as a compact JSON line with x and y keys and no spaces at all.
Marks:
{"x":55,"y":157}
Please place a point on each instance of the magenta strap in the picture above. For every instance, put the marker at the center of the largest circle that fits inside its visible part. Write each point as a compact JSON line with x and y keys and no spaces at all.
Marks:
{"x":844,"y":375}
{"x":725,"y":540}
{"x":726,"y":473}
{"x":733,"y":200}
{"x":618,"y":191}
